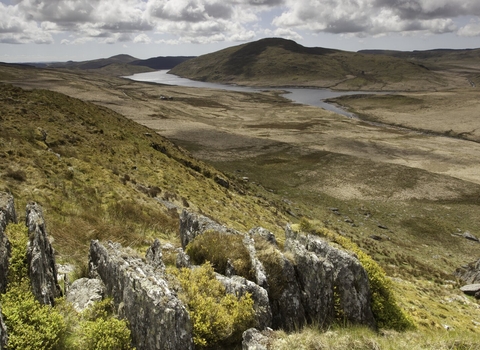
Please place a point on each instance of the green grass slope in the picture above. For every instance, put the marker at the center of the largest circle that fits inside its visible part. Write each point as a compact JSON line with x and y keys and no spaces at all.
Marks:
{"x":99,"y":175}
{"x":280,"y":62}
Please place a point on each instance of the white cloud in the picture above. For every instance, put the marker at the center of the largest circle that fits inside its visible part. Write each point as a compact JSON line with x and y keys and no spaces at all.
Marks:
{"x":142,"y":39}
{"x":374,"y":17}
{"x":210,"y":21}
{"x":471,"y":29}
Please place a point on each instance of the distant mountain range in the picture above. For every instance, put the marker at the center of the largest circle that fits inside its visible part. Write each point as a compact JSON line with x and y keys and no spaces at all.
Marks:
{"x":280,"y":62}
{"x":119,"y":61}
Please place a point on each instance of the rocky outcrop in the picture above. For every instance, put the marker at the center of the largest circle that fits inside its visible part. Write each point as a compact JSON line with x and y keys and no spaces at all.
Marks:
{"x":3,"y":332}
{"x":41,"y":258}
{"x":7,"y":215}
{"x":470,"y":274}
{"x":157,"y":318}
{"x":239,"y":286}
{"x":472,"y":289}
{"x":84,"y":292}
{"x":334,"y":282}
{"x":192,"y":225}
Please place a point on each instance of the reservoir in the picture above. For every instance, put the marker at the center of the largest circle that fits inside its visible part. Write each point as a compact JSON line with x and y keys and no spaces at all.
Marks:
{"x":306,"y":96}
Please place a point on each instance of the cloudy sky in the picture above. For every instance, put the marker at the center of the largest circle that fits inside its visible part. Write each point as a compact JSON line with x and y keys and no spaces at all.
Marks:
{"x":61,"y":30}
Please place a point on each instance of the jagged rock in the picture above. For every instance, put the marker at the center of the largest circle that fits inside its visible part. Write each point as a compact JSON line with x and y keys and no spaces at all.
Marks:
{"x":3,"y":332}
{"x":7,"y":215}
{"x":471,"y":289}
{"x":253,"y":339}
{"x":324,"y":270}
{"x":154,"y":256}
{"x":470,"y":273}
{"x":286,"y":297}
{"x":264,"y":233}
{"x":257,"y":266}
{"x":192,"y":225}
{"x":182,"y":260}
{"x":41,"y":258}
{"x":84,"y":292}
{"x":221,"y":181}
{"x":315,"y":276}
{"x":239,"y":286}
{"x":157,"y":318}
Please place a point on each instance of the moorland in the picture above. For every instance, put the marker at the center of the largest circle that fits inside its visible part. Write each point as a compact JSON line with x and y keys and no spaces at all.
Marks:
{"x":402,"y":180}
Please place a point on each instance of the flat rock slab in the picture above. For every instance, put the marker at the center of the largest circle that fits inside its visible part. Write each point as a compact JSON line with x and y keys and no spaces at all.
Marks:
{"x":471,"y":289}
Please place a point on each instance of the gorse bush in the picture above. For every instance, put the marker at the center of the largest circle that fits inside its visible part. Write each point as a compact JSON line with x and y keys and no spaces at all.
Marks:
{"x":384,"y":305}
{"x":218,"y":248}
{"x":218,"y":318}
{"x":100,"y":330}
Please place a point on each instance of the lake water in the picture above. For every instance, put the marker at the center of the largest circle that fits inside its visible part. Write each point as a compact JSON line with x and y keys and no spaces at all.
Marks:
{"x":311,"y":97}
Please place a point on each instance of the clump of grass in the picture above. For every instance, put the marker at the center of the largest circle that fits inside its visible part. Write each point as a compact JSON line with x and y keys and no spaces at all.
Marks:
{"x":18,"y":175}
{"x":220,"y":249}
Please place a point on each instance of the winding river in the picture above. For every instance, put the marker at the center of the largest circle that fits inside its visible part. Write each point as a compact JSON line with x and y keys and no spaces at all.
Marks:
{"x":311,"y":97}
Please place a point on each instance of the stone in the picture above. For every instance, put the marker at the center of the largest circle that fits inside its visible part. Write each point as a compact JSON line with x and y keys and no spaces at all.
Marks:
{"x":7,"y":215}
{"x":324,"y":270}
{"x":264,"y":233}
{"x":154,"y":256}
{"x":158,"y":320}
{"x":221,"y":181}
{"x":257,"y":266}
{"x":471,"y":289}
{"x":239,"y":286}
{"x":193,"y":225}
{"x":3,"y":332}
{"x":84,"y":292}
{"x":182,"y":260}
{"x":253,"y":339}
{"x":469,"y":236}
{"x":42,"y":269}
{"x":469,"y":274}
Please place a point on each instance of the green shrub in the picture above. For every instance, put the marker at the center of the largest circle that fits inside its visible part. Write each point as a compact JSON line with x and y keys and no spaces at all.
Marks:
{"x":30,"y":325}
{"x":218,"y":318}
{"x":101,"y":330}
{"x":384,"y":305}
{"x":218,"y":248}
{"x":105,"y":334}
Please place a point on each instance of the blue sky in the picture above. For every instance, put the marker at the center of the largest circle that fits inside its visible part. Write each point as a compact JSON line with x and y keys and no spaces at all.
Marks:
{"x":61,"y":30}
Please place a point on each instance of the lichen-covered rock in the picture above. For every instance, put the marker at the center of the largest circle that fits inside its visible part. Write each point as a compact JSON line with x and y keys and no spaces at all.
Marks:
{"x":182,"y":260}
{"x":239,"y":286}
{"x":7,"y":215}
{"x":345,"y":281}
{"x":154,"y":256}
{"x":3,"y":332}
{"x":192,"y":225}
{"x":84,"y":292}
{"x":157,"y":318}
{"x":41,"y":258}
{"x":253,"y":339}
{"x":315,"y":277}
{"x":286,"y":298}
{"x":257,"y":266}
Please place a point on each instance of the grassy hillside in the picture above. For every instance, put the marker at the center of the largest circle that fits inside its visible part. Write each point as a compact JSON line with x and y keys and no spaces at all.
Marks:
{"x":100,"y":176}
{"x":280,"y":62}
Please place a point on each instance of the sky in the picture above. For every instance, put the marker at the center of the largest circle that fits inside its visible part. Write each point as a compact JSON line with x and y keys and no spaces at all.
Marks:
{"x":78,"y":30}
